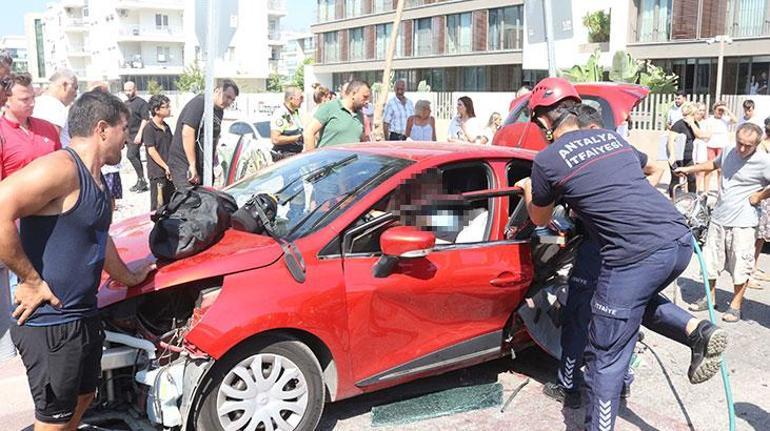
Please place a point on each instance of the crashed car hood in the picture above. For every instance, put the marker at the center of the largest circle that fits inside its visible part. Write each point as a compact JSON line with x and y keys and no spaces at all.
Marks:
{"x":236,"y":251}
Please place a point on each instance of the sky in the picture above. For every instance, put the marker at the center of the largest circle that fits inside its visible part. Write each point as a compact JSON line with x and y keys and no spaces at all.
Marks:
{"x":300,"y":14}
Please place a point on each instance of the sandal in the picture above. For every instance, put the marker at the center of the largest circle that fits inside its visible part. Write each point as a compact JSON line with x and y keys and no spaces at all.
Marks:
{"x":760,"y":275}
{"x":754,"y":284}
{"x":732,"y":315}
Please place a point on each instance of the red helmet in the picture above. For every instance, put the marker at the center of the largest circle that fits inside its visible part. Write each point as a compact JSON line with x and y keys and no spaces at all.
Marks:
{"x":550,"y":91}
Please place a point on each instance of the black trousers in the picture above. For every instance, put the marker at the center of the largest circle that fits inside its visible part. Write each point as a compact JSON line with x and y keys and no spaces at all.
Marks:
{"x":132,"y":152}
{"x":160,"y":192}
{"x":691,"y":187}
{"x":396,"y":137}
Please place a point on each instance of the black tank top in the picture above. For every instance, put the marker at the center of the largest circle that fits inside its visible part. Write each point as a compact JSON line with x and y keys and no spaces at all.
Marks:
{"x":68,"y":250}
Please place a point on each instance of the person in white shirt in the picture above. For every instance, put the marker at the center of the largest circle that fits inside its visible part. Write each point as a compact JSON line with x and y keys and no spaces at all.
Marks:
{"x":749,"y":115}
{"x":397,"y":111}
{"x":465,"y":128}
{"x":718,"y":125}
{"x":421,"y":126}
{"x":493,"y":125}
{"x":675,"y":112}
{"x":53,"y":104}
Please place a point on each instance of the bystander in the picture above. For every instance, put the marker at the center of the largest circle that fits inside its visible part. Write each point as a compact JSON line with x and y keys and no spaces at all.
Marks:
{"x":185,"y":157}
{"x":6,"y":63}
{"x":421,"y":126}
{"x":397,"y":111}
{"x":675,"y":111}
{"x":718,"y":125}
{"x":339,"y":121}
{"x":157,"y":138}
{"x":286,"y":125}
{"x":749,"y":114}
{"x":465,"y":128}
{"x":54,"y":103}
{"x":140,"y":115}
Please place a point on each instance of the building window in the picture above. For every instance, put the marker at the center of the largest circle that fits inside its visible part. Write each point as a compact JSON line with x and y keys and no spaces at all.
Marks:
{"x":458,"y":33}
{"x":356,"y":44}
{"x":654,"y":20}
{"x":423,"y":37}
{"x":331,"y":47}
{"x":40,"y":48}
{"x":164,"y":54}
{"x":326,"y":10}
{"x":381,"y":5}
{"x":382,"y":33}
{"x":352,"y":8}
{"x":161,"y":21}
{"x":751,"y":18}
{"x":505,"y":28}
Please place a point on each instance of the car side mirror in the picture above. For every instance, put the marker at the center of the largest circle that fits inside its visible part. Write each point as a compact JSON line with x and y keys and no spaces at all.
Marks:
{"x":402,"y":242}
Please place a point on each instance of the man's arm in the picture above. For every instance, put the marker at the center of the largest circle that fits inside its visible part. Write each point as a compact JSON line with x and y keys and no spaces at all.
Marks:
{"x":138,"y":137}
{"x":117,"y":269}
{"x":155,"y":155}
{"x":188,"y":144}
{"x":312,"y":130}
{"x":25,"y":193}
{"x":540,"y":216}
{"x":278,"y":139}
{"x":709,"y":166}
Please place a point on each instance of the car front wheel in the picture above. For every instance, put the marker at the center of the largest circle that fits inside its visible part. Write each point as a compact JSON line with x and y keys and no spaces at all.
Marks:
{"x":280,"y":387}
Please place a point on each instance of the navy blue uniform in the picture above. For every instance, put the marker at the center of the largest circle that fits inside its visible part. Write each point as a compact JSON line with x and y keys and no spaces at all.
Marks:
{"x":645,"y":244}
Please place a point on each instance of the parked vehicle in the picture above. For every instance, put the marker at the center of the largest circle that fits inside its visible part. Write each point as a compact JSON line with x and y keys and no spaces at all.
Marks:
{"x":243,"y":150}
{"x":390,"y":262}
{"x":614,"y":100}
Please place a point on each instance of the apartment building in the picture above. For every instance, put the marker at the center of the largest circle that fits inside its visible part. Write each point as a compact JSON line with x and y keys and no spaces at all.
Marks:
{"x":452,"y":45}
{"x":297,"y":47}
{"x":16,"y":47}
{"x":35,"y":40}
{"x":674,"y":35}
{"x":154,"y":40}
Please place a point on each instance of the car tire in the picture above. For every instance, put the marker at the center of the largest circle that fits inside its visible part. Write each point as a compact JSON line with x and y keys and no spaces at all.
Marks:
{"x":235,"y":397}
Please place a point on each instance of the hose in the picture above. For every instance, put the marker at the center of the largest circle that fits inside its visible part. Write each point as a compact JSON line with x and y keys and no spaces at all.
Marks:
{"x":712,"y":318}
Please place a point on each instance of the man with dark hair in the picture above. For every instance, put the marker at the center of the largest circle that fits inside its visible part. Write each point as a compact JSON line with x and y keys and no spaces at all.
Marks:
{"x":286,"y":125}
{"x":749,"y":115}
{"x":6,"y":63}
{"x":185,"y":157}
{"x":59,"y":252}
{"x":734,"y":220}
{"x":339,"y":121}
{"x":140,"y":115}
{"x":157,"y":139}
{"x":598,"y":174}
{"x":675,"y":112}
{"x":23,"y":138}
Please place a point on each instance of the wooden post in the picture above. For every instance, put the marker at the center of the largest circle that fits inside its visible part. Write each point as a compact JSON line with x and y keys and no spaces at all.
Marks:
{"x":379,"y":108}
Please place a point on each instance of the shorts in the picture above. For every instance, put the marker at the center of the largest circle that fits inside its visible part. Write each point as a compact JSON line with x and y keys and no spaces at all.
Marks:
{"x":114,"y":185}
{"x":713,"y":153}
{"x":63,"y":362}
{"x":730,"y":249}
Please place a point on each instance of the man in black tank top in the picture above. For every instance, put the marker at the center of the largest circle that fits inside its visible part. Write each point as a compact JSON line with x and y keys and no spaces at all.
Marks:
{"x":58,"y":253}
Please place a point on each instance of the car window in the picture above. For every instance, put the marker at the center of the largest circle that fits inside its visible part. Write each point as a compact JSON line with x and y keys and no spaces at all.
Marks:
{"x":520,"y":113}
{"x":263,"y":128}
{"x":240,"y":128}
{"x":313,"y":189}
{"x":430,"y":201}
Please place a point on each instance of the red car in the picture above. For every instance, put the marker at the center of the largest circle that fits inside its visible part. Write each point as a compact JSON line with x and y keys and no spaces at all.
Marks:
{"x":393,"y":262}
{"x":614,"y":100}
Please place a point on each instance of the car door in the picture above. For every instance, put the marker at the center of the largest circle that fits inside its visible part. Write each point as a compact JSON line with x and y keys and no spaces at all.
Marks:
{"x":442,"y":310}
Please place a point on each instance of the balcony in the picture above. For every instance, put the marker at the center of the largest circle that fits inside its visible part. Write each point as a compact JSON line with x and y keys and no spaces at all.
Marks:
{"x":135,"y":33}
{"x":74,"y":25}
{"x":150,"y":4}
{"x":276,"y":7}
{"x":77,"y":51}
{"x":136,"y":66}
{"x":274,"y":38}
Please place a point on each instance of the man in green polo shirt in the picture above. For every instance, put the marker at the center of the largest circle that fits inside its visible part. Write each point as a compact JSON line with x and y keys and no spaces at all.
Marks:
{"x":339,"y":121}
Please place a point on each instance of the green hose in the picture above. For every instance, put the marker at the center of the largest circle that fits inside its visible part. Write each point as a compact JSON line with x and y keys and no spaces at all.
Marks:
{"x":723,"y":364}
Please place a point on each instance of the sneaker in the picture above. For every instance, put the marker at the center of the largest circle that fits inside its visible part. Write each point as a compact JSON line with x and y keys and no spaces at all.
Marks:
{"x":570,"y":399}
{"x":707,"y":342}
{"x":141,"y":186}
{"x":625,"y":393}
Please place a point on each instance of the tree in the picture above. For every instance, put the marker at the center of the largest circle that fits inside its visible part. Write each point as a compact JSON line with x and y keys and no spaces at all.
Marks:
{"x":154,"y":88}
{"x":298,"y":80}
{"x":274,"y":83}
{"x":192,"y":79}
{"x":598,"y":25}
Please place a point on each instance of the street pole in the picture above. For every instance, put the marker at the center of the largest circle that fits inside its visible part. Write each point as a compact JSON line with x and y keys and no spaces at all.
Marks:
{"x":208,"y":115}
{"x":548,"y":13}
{"x":377,"y":131}
{"x":720,"y":65}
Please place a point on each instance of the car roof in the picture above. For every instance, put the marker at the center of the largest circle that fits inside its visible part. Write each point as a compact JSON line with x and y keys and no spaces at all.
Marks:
{"x":424,"y":151}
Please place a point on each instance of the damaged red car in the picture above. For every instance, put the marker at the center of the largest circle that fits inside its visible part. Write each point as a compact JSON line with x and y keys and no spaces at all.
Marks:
{"x":389,"y":262}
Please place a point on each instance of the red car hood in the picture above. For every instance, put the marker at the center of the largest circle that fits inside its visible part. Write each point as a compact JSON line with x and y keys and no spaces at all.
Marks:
{"x":237,"y":251}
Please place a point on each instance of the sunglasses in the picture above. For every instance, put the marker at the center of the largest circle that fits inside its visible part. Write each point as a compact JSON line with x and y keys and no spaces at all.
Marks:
{"x":6,"y":83}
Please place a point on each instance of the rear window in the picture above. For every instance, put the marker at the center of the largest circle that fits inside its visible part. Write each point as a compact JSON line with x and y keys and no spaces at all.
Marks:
{"x":520,"y":114}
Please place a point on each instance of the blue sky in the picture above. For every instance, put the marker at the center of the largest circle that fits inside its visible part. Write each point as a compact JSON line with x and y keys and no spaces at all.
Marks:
{"x":301,"y":14}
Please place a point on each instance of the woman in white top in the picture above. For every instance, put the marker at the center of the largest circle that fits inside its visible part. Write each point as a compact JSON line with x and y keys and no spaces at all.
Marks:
{"x":421,"y":126}
{"x":493,"y":125}
{"x":465,"y":128}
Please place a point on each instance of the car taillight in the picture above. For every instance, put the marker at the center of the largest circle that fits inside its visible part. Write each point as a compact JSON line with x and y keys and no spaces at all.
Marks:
{"x":205,"y":300}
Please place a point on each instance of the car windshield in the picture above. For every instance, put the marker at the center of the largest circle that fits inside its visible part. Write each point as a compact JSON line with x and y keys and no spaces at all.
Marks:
{"x":313,"y":189}
{"x":263,"y":128}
